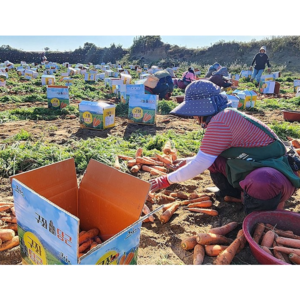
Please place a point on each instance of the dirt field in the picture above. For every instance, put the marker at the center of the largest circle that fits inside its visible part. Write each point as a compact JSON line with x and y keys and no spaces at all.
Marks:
{"x":160,"y":243}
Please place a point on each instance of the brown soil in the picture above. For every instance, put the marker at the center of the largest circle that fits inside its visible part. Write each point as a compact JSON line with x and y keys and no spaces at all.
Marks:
{"x":159,"y":243}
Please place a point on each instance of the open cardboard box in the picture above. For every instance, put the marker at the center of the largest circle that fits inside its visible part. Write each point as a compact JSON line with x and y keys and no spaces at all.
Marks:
{"x":51,"y":209}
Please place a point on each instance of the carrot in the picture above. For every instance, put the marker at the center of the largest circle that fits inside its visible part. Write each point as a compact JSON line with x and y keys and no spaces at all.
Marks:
{"x":148,"y":161}
{"x":206,"y":203}
{"x":198,"y":255}
{"x":294,"y":258}
{"x":125,"y":157}
{"x":85,"y":245}
{"x":194,"y":195}
{"x":167,"y":148}
{"x":232,"y":199}
{"x":117,"y":164}
{"x":214,"y":250}
{"x":129,"y":258}
{"x":287,"y":250}
{"x":165,"y":197}
{"x":93,"y":245}
{"x":135,"y":168}
{"x":138,"y":152}
{"x":6,"y":234}
{"x":207,"y":211}
{"x":80,"y":254}
{"x":167,"y":206}
{"x":159,"y":168}
{"x":13,"y":211}
{"x":278,"y":254}
{"x":10,"y":244}
{"x":122,"y":259}
{"x":288,"y":242}
{"x":6,"y":203}
{"x":268,"y":239}
{"x":267,"y":250}
{"x":296,"y":143}
{"x":6,"y":207}
{"x":189,"y":242}
{"x":242,"y":238}
{"x":0,"y":242}
{"x":223,"y":230}
{"x":9,"y":219}
{"x":174,"y":154}
{"x":97,"y":239}
{"x":146,"y":211}
{"x":163,"y":159}
{"x":180,"y":195}
{"x":212,"y":239}
{"x":88,"y":235}
{"x":12,"y":226}
{"x":226,"y":256}
{"x":167,"y":192}
{"x":186,"y":202}
{"x":284,"y":233}
{"x":166,"y":215}
{"x":259,"y":229}
{"x":151,"y":170}
{"x":131,"y":163}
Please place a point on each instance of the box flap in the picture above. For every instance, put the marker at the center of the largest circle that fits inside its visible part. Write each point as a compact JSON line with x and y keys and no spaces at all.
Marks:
{"x":56,"y":182}
{"x":109,"y":199}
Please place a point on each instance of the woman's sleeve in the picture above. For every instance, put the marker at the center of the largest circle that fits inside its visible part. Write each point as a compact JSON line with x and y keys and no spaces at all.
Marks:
{"x":198,"y":165}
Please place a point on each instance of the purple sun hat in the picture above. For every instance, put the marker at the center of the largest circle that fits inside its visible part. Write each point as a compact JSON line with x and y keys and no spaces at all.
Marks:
{"x":202,"y":98}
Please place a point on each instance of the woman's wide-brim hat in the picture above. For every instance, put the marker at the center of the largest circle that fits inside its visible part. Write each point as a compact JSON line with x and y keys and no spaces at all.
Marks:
{"x":201,"y":98}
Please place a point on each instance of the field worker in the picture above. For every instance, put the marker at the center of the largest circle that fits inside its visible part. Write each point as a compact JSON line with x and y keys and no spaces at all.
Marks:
{"x":260,"y":60}
{"x":221,"y":78}
{"x":165,"y":86}
{"x":213,"y":68}
{"x":245,"y":157}
{"x":187,"y":78}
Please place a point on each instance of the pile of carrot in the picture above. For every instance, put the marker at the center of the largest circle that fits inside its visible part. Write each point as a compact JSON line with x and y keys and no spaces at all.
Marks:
{"x":215,"y":244}
{"x":8,"y":226}
{"x":281,"y":244}
{"x":88,"y":240}
{"x":156,"y":165}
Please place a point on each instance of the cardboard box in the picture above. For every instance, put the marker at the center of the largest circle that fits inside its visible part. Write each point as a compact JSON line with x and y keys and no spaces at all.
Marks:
{"x":267,"y":77}
{"x":235,"y":77}
{"x":51,"y":209}
{"x":58,"y":96}
{"x":126,"y":78}
{"x":91,"y":76}
{"x":122,"y":93}
{"x":296,"y":85}
{"x":247,"y":99}
{"x":28,"y":74}
{"x":100,"y":76}
{"x":267,"y":87}
{"x":68,"y":81}
{"x":109,"y":73}
{"x":142,"y":109}
{"x":245,"y":74}
{"x":134,"y":89}
{"x":48,"y":79}
{"x":96,"y":115}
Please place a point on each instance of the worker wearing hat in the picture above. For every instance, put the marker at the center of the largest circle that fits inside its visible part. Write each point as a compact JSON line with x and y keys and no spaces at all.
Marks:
{"x":245,"y":158}
{"x":221,"y":78}
{"x":213,"y":68}
{"x":260,"y":60}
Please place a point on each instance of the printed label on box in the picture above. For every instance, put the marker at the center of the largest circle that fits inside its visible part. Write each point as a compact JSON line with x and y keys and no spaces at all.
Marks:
{"x":58,"y":96}
{"x":296,"y":84}
{"x":267,"y":87}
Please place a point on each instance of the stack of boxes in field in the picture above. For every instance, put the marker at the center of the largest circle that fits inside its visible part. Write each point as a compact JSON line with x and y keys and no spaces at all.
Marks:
{"x":142,"y":108}
{"x":96,"y":115}
{"x":66,"y":64}
{"x":247,"y":99}
{"x":90,"y":76}
{"x":58,"y":96}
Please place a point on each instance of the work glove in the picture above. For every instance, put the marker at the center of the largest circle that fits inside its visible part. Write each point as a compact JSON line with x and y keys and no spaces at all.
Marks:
{"x":251,"y":68}
{"x":159,"y":183}
{"x":177,"y":164}
{"x":269,"y":70}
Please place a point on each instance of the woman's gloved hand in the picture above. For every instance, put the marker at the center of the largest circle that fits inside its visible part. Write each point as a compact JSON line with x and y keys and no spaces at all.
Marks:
{"x":159,"y":183}
{"x":177,"y":164}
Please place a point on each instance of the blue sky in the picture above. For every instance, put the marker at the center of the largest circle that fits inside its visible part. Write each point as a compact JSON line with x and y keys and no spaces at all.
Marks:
{"x":71,"y":42}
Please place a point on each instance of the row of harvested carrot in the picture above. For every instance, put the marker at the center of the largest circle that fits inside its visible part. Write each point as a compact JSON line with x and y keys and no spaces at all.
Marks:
{"x":215,"y":244}
{"x":295,"y":143}
{"x":281,"y":244}
{"x":8,"y":226}
{"x":88,"y":240}
{"x":156,"y":165}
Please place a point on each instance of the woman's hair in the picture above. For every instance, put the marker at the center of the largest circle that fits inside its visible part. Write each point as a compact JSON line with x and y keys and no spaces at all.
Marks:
{"x":191,"y":70}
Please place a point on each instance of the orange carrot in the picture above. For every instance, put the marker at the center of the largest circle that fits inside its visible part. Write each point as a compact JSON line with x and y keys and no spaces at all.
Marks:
{"x":138,"y":152}
{"x":6,"y":234}
{"x":167,"y":148}
{"x":189,"y":242}
{"x":180,"y":195}
{"x":6,"y":206}
{"x":122,"y":259}
{"x":166,"y":215}
{"x":9,"y":219}
{"x":129,"y":258}
{"x":194,"y":195}
{"x":212,"y":239}
{"x":278,"y":254}
{"x":288,"y":242}
{"x":186,"y":202}
{"x":135,"y":168}
{"x":117,"y":164}
{"x":97,"y":239}
{"x":88,"y":235}
{"x":148,"y":161}
{"x":206,"y":203}
{"x":85,"y":245}
{"x":167,"y":206}
{"x":268,"y":239}
{"x":12,"y":226}
{"x":82,"y":232}
{"x":259,"y":229}
{"x":93,"y":245}
{"x":131,"y":163}
{"x":267,"y":250}
{"x":223,"y":230}
{"x":294,"y":258}
{"x":163,"y":159}
{"x":167,"y":192}
{"x":10,"y":244}
{"x":80,"y":254}
{"x":13,"y":211}
{"x":226,"y":256}
{"x":207,"y":211}
{"x":125,"y":157}
{"x":232,"y":199}
{"x":152,"y":171}
{"x":165,"y":197}
{"x":214,"y":250}
{"x":146,"y":211}
{"x":287,"y":250}
{"x":198,"y":256}
{"x":159,"y":168}
{"x":284,"y":233}
{"x":296,"y":143}
{"x":174,"y":154}
{"x":242,"y":239}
